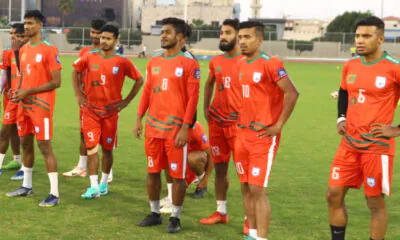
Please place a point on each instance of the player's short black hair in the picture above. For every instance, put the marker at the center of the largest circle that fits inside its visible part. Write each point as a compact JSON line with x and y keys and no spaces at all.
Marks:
{"x":234,"y":23}
{"x":111,"y":29}
{"x":179,"y":24}
{"x":19,"y":27}
{"x":98,"y":24}
{"x":36,"y":14}
{"x":188,"y":30}
{"x":253,"y":24}
{"x":372,"y":21}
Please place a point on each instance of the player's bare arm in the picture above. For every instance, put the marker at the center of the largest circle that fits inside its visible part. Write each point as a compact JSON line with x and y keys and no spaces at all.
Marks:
{"x":208,"y":92}
{"x":138,"y":128}
{"x":135,"y":89}
{"x":76,"y":85}
{"x":208,"y":170}
{"x":290,"y":98}
{"x":47,"y":87}
{"x":182,"y":136}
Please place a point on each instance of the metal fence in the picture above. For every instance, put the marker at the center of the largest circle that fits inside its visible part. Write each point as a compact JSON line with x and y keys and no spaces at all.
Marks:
{"x":329,"y":45}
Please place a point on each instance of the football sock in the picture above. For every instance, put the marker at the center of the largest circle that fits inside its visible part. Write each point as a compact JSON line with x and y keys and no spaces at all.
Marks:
{"x":53,"y":177}
{"x":94,"y":181}
{"x":17,"y":158}
{"x":155,"y":206}
{"x":2,"y":156}
{"x":27,"y":183}
{"x":176,"y":211}
{"x":104,"y":177}
{"x":221,"y":207}
{"x":201,"y":176}
{"x":82,"y":162}
{"x":253,"y":233}
{"x":259,"y":238}
{"x":338,"y":232}
{"x":169,"y":187}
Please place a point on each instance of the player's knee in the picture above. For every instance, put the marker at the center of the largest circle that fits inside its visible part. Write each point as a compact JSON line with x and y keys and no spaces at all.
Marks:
{"x":4,"y":132}
{"x":375,"y":204}
{"x":44,"y":147}
{"x":256,"y":191}
{"x":333,"y":197}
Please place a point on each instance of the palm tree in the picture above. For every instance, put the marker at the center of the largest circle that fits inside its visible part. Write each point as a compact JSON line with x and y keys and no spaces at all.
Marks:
{"x":66,"y":7}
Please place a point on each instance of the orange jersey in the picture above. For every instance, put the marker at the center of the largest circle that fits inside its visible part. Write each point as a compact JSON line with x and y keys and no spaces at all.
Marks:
{"x":170,"y":94}
{"x":37,"y":62}
{"x":198,"y":140}
{"x":262,"y":98}
{"x":227,"y":98}
{"x":10,"y":61}
{"x":5,"y":58}
{"x":85,"y":51}
{"x":373,"y":90}
{"x":105,"y":79}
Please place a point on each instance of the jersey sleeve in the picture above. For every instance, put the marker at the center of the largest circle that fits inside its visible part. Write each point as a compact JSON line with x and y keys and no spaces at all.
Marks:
{"x":211,"y":68}
{"x":53,"y":60}
{"x":276,"y":70}
{"x":202,"y":138}
{"x":5,"y":60}
{"x":343,"y":81}
{"x":145,"y":98}
{"x":82,"y":52}
{"x":193,"y":86}
{"x":131,"y":70}
{"x":80,"y":64}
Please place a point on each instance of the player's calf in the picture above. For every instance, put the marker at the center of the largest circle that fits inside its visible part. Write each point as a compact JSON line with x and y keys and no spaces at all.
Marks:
{"x":379,"y":216}
{"x":337,"y":211}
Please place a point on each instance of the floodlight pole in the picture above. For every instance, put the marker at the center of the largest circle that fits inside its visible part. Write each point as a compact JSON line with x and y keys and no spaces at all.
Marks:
{"x":382,"y":8}
{"x":185,"y":10}
{"x":22,"y":10}
{"x":9,"y":11}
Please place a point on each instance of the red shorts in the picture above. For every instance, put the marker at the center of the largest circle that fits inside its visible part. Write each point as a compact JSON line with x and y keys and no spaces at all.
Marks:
{"x":222,"y":141}
{"x":29,"y":123}
{"x":100,"y":131}
{"x":352,"y":169}
{"x":254,"y":157}
{"x":10,"y":113}
{"x":190,"y":176}
{"x":162,"y":152}
{"x":6,"y":100}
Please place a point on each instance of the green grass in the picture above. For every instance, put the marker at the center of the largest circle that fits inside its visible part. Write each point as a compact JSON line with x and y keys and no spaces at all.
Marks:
{"x":297,"y":186}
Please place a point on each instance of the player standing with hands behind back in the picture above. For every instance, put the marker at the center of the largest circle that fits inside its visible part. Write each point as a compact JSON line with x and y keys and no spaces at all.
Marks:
{"x":268,"y":98}
{"x":170,"y":96}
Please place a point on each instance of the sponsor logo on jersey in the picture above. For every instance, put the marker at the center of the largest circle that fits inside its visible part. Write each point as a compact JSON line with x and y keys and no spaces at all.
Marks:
{"x":155,"y":70}
{"x":179,"y":72}
{"x":255,"y":172}
{"x":38,"y":58}
{"x":174,"y":166}
{"x":94,"y":67}
{"x":371,"y":181}
{"x":204,"y":137}
{"x":282,"y":73}
{"x":197,"y":73}
{"x":257,"y":77}
{"x":350,"y":78}
{"x":115,"y":70}
{"x":23,"y":57}
{"x":380,"y":82}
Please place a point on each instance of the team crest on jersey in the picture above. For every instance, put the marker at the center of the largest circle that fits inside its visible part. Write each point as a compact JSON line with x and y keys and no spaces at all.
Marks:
{"x":174,"y":166}
{"x":115,"y":70}
{"x":371,"y":181}
{"x":197,"y":73}
{"x":380,"y":82}
{"x":155,"y":70}
{"x":255,"y":172}
{"x":257,"y":77}
{"x":38,"y":58}
{"x":37,"y":129}
{"x":109,"y":140}
{"x":57,"y":59}
{"x":94,"y":67}
{"x":179,"y":72}
{"x":282,"y":73}
{"x":351,"y":78}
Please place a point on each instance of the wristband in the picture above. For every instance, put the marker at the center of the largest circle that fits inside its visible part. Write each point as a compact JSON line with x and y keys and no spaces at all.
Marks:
{"x":341,"y":119}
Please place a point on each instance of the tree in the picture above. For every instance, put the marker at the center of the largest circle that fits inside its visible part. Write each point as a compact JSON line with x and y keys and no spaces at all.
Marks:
{"x":66,"y":7}
{"x":3,"y":22}
{"x":300,"y":46}
{"x":346,"y":22}
{"x":76,"y":34}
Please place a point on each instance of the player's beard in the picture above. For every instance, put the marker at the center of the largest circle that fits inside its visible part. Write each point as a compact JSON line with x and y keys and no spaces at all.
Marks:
{"x":95,"y":41}
{"x":227,"y":47}
{"x":172,"y":45}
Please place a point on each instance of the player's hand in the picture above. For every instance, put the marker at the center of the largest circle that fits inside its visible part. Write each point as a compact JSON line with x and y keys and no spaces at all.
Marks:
{"x":206,"y":114}
{"x":10,"y":93}
{"x":20,"y":94}
{"x":137,"y":129}
{"x":81,"y":100}
{"x":271,"y":131}
{"x":181,"y":137}
{"x":202,"y":184}
{"x":341,"y":127}
{"x":383,"y":130}
{"x":122,"y":104}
